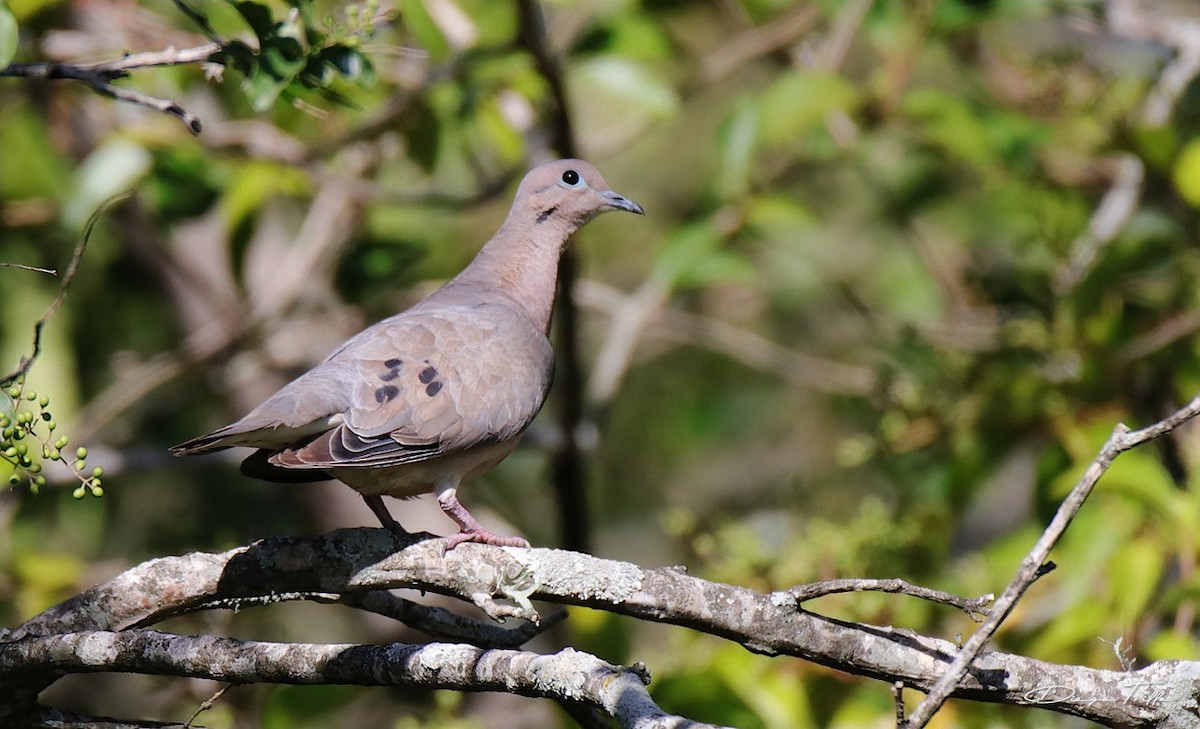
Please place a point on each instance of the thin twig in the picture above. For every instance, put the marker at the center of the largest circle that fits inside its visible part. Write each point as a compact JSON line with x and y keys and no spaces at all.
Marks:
{"x":34,"y":269}
{"x":1034,"y":563}
{"x":567,"y":463}
{"x":199,"y":19}
{"x":207,"y":704}
{"x":443,"y":624}
{"x":898,"y":699}
{"x":975,"y":607}
{"x":63,"y":286}
{"x":100,"y":76}
{"x":1111,"y":217}
{"x":759,"y":41}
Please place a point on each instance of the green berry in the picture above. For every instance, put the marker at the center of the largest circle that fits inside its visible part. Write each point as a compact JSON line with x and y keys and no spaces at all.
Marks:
{"x":97,"y":491}
{"x":78,"y":493}
{"x":34,"y":488}
{"x":44,"y":400}
{"x":39,"y":480}
{"x":14,"y":392}
{"x":61,"y":442}
{"x":81,"y":452}
{"x":31,"y":395}
{"x":97,"y":472}
{"x":34,"y":468}
{"x":79,"y":465}
{"x":54,"y":454}
{"x":14,"y":479}
{"x":50,"y":424}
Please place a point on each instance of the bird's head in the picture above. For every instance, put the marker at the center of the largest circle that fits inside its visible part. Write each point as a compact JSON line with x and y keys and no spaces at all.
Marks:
{"x":570,"y":191}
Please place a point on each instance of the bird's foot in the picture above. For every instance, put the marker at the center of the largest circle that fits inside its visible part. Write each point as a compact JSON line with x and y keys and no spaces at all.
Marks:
{"x":470,"y":530}
{"x":483,"y":536}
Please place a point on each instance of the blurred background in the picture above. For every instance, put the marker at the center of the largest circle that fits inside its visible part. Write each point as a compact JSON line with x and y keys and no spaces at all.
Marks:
{"x":904,"y":266}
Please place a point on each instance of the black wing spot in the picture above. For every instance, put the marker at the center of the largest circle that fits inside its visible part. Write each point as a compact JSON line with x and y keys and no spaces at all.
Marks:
{"x":545,"y":214}
{"x":389,"y":375}
{"x":387,"y":393}
{"x":429,"y":374}
{"x":393,"y":363}
{"x":433,"y":388}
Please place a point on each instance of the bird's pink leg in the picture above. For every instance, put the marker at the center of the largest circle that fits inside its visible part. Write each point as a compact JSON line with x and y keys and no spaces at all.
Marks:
{"x":470,"y":530}
{"x":380,"y":510}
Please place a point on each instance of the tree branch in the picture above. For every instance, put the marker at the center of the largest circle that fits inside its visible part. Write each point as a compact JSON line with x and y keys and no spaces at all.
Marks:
{"x":975,"y":607}
{"x":568,"y":675}
{"x":100,"y":76}
{"x":352,"y":560}
{"x":568,"y":466}
{"x":1121,"y":440}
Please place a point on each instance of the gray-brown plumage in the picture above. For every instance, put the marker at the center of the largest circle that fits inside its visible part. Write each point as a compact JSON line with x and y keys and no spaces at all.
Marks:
{"x":443,"y":391}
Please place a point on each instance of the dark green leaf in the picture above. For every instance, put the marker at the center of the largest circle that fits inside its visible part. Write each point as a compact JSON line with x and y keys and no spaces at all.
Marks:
{"x":258,"y":17}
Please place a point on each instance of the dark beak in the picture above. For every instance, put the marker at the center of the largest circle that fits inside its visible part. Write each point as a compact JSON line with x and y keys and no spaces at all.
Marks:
{"x":618,"y":202}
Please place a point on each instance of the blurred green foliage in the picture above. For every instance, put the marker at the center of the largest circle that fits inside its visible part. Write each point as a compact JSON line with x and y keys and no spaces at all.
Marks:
{"x":864,"y":349}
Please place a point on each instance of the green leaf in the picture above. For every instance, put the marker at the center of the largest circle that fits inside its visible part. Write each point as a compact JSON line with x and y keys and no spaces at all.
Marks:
{"x":428,"y":35}
{"x":350,"y":62}
{"x":423,"y":134}
{"x":255,"y":184}
{"x":736,"y":141}
{"x":8,"y":35}
{"x":630,"y":84}
{"x":693,"y":257}
{"x":1186,"y":174}
{"x":258,"y":17}
{"x":798,"y":102}
{"x":112,"y":169}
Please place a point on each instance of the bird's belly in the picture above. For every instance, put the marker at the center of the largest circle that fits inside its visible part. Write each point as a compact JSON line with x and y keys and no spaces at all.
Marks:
{"x":414,"y":479}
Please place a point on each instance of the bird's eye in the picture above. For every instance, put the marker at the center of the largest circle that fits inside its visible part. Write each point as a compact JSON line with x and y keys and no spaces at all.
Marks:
{"x":571,"y":178}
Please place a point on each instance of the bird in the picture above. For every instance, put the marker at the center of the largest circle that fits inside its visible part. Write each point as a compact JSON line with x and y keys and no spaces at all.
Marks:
{"x":441,"y":392}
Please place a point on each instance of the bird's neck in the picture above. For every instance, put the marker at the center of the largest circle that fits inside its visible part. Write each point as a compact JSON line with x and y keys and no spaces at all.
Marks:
{"x":519,"y":265}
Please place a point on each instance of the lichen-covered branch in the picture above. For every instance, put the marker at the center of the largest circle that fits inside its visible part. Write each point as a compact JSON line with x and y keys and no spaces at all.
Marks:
{"x":568,"y":675}
{"x":353,"y":560}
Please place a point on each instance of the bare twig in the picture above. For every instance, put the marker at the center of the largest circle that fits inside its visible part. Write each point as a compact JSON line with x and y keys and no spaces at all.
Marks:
{"x":898,"y":700}
{"x":33,"y":269}
{"x":63,"y":287}
{"x":445,"y":625}
{"x":1032,"y":566}
{"x":976,"y":607}
{"x":675,"y":325}
{"x":756,"y":42}
{"x":199,"y":19}
{"x":207,"y":704}
{"x":100,"y":76}
{"x":1111,"y":217}
{"x":568,"y":467}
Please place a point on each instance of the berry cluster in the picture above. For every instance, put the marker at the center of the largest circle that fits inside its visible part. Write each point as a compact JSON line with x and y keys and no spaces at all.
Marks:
{"x":27,"y":425}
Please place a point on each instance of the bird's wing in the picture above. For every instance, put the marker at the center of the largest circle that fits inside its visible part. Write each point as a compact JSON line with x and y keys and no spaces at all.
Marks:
{"x":427,"y":385}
